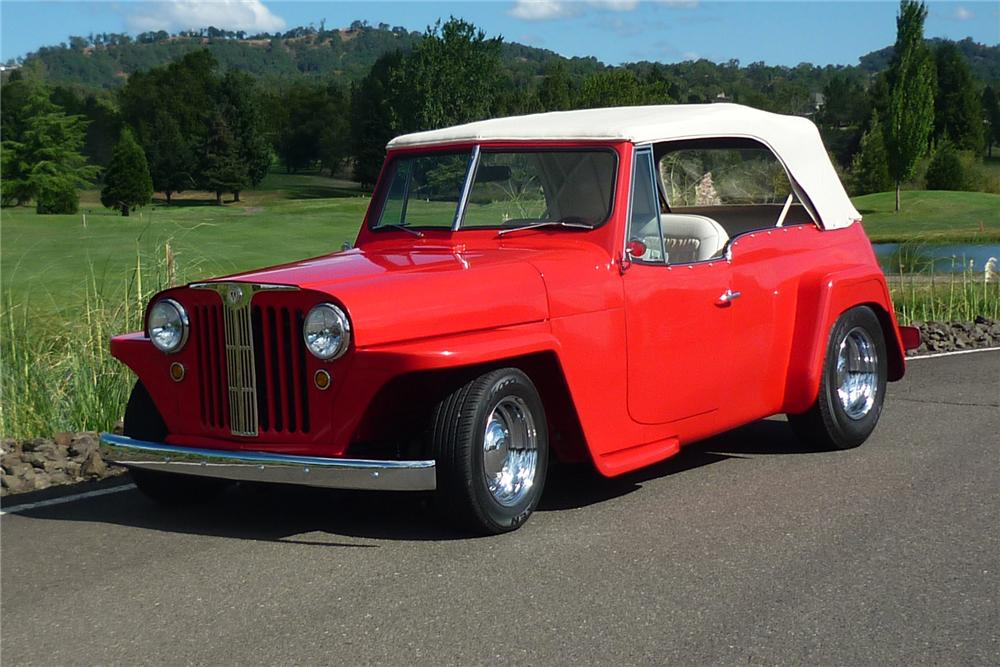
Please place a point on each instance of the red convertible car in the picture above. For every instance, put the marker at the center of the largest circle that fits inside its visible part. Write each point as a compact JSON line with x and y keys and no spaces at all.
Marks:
{"x":598,"y":286}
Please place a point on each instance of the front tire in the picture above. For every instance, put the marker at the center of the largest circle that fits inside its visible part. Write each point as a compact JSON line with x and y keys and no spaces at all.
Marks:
{"x":143,"y":422}
{"x":490,"y":441}
{"x":852,"y":386}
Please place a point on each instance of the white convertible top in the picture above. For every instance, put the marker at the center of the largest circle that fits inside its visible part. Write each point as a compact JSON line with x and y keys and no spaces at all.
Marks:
{"x":794,"y":140}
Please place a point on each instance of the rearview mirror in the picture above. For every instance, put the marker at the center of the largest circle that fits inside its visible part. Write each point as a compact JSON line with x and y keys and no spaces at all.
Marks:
{"x":492,"y":174}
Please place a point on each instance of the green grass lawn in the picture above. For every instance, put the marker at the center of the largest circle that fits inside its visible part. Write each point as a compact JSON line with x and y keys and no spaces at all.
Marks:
{"x":49,"y":260}
{"x":932,"y":217}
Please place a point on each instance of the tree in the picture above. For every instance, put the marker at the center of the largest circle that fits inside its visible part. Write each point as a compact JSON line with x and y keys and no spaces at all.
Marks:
{"x":452,"y":76}
{"x":314,"y":127}
{"x":127,"y":183}
{"x":958,"y":113}
{"x":554,"y":92}
{"x":911,"y":95}
{"x":870,"y":167}
{"x":619,"y":87}
{"x":41,"y":156}
{"x":991,"y":110}
{"x":244,"y":116}
{"x":954,"y":169}
{"x":186,"y":91}
{"x":373,"y":122}
{"x":222,"y":169}
{"x":171,"y":160}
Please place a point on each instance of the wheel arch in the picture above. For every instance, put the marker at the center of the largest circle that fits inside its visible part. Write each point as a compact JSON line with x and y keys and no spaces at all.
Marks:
{"x":407,"y":399}
{"x":822,"y":301}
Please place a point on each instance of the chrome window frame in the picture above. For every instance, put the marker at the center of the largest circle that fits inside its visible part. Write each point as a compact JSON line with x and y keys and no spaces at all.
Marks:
{"x":636,"y":150}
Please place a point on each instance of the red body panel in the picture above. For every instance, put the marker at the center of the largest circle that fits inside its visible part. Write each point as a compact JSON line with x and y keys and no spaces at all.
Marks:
{"x":651,"y":360}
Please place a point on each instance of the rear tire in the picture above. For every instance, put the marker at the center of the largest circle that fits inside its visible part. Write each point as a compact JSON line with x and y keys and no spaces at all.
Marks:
{"x":143,"y":422}
{"x":852,"y":386}
{"x":490,"y":441}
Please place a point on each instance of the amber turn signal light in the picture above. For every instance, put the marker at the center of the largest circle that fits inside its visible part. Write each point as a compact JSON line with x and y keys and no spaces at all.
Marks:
{"x":322,"y":380}
{"x":176,"y":371}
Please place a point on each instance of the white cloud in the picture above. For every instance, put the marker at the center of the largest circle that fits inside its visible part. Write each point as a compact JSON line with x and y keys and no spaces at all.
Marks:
{"x":544,"y":10}
{"x":540,"y":10}
{"x":963,"y":14}
{"x":248,"y":15}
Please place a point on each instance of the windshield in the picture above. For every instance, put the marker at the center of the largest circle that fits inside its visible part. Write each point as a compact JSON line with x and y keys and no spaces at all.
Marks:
{"x":511,"y":188}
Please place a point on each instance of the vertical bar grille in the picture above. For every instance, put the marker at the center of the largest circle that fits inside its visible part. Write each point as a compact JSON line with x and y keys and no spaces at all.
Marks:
{"x":252,"y":371}
{"x":240,"y":369}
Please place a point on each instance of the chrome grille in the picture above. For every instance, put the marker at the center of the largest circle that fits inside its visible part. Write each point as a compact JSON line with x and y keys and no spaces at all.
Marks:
{"x":240,"y":367}
{"x":242,"y":343}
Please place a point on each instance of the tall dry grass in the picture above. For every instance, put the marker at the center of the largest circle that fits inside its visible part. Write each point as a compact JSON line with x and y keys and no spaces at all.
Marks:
{"x":56,"y":372}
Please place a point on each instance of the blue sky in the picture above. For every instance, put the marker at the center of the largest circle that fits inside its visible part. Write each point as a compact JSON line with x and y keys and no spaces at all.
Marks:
{"x":614,"y":31}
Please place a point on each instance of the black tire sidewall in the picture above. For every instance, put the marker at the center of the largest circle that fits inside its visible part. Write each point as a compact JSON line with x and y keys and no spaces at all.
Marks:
{"x":510,"y":383}
{"x":844,"y":431}
{"x":458,"y":433}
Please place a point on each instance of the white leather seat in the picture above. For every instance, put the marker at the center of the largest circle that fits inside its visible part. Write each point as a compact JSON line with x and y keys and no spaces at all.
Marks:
{"x":692,"y":238}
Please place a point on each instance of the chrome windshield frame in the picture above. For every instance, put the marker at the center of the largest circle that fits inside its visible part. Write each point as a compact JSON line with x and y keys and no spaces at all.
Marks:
{"x":470,"y":177}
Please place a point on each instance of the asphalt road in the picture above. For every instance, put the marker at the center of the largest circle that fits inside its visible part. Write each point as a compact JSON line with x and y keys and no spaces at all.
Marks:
{"x":747,"y":549}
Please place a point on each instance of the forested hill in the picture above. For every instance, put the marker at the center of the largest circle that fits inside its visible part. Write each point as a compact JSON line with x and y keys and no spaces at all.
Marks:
{"x":105,"y":61}
{"x":984,"y":61}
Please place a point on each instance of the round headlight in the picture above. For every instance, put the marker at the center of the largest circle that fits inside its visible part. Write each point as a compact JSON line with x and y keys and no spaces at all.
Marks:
{"x":168,"y":325}
{"x":326,"y":331}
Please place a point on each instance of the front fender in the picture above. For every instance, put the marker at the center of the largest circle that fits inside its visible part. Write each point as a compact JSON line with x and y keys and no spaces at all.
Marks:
{"x":821,"y":300}
{"x":458,"y":350}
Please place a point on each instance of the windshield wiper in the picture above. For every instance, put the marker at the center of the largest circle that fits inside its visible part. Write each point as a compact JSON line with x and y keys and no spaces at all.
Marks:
{"x":546,"y":223}
{"x":395,"y":225}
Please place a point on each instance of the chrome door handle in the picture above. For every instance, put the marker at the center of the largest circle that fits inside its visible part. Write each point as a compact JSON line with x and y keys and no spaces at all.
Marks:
{"x":728,"y":297}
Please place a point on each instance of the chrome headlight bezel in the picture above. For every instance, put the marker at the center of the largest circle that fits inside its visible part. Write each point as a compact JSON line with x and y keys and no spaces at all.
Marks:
{"x":335,"y":318}
{"x":179,"y":317}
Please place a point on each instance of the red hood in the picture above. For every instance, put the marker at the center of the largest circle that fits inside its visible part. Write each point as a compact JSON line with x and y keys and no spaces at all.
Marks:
{"x":394,"y":294}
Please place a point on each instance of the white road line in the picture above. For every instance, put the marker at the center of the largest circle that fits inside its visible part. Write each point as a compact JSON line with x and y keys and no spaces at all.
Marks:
{"x":951,"y":354}
{"x":66,"y":499}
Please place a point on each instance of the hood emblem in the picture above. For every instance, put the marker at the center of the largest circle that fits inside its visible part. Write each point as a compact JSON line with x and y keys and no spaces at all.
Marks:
{"x":234,"y":294}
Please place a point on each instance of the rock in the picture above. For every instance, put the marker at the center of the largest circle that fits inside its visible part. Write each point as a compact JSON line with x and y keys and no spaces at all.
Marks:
{"x":94,"y":466}
{"x":54,"y":466}
{"x":31,"y":444}
{"x":63,"y":439}
{"x":61,"y":477}
{"x":36,"y":459}
{"x":41,"y":481}
{"x":9,"y":446}
{"x":82,"y":446}
{"x":16,"y":467}
{"x":51,"y":451}
{"x":13,"y":484}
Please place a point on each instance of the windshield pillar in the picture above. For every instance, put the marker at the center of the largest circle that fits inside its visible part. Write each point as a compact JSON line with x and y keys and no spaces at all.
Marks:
{"x":470,"y":176}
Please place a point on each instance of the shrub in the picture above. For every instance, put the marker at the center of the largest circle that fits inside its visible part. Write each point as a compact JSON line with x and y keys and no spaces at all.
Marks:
{"x":60,"y":199}
{"x":946,"y":170}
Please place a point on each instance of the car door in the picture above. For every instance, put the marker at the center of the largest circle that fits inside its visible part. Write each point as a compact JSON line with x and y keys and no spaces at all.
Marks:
{"x":678,"y":317}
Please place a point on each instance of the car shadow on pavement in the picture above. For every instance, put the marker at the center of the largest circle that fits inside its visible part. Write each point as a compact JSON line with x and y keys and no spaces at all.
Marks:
{"x":330,"y":518}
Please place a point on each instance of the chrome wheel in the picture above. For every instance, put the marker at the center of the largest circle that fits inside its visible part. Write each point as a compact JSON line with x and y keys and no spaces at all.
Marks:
{"x":510,"y":451}
{"x":857,"y":373}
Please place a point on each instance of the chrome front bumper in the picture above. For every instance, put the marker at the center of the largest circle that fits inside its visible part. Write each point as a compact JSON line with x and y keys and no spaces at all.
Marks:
{"x":273,"y":468}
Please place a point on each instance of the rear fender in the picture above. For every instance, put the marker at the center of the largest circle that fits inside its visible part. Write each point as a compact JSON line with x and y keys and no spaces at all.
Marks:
{"x":822,"y":299}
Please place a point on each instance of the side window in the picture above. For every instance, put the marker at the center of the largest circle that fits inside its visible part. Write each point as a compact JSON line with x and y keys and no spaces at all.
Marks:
{"x":723,"y":177}
{"x":723,"y":188}
{"x":644,"y":236}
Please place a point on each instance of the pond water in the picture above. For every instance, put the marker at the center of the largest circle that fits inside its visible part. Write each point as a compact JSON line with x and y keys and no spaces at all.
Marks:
{"x":922,"y":256}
